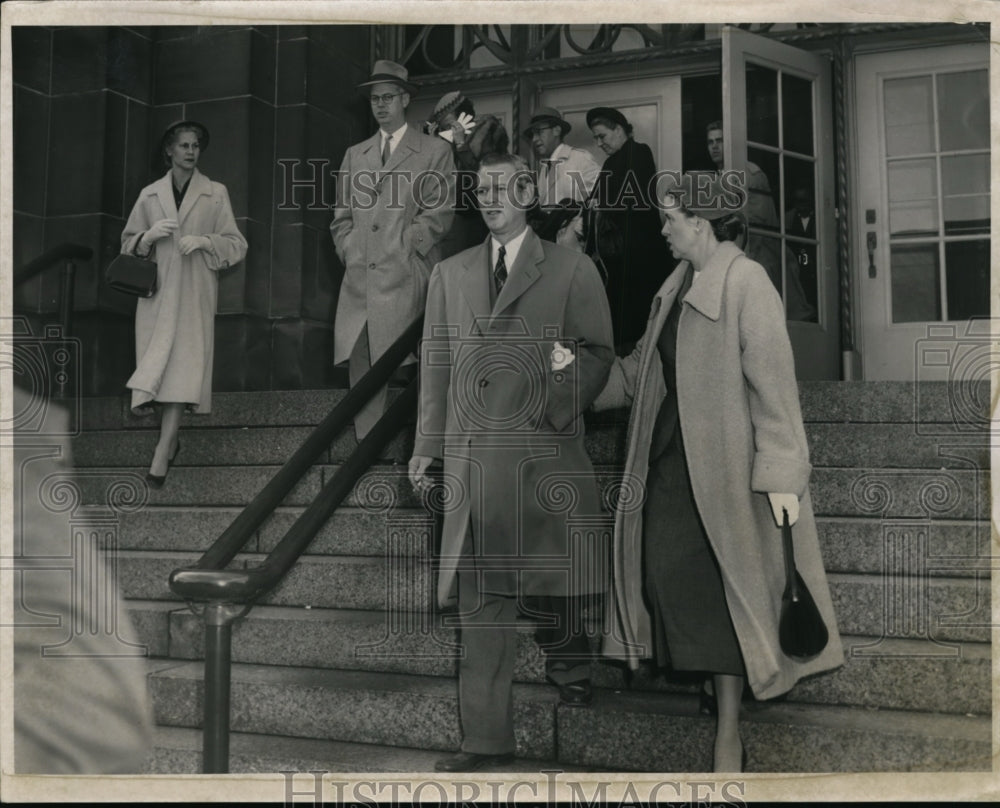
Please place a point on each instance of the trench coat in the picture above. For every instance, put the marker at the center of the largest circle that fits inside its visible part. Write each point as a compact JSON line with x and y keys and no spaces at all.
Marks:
{"x":510,"y":428}
{"x":740,"y":417}
{"x":175,"y":328}
{"x":386,"y":225}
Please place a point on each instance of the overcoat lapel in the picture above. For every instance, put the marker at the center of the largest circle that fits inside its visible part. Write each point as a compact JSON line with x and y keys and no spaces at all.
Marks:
{"x":410,"y":144}
{"x":474,"y":284}
{"x":166,"y":195}
{"x":200,"y":186}
{"x":522,"y":274}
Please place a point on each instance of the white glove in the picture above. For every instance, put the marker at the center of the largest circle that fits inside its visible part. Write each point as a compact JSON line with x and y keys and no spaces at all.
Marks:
{"x":562,"y":357}
{"x":188,"y":244}
{"x":790,"y":502}
{"x":158,"y":230}
{"x":467,"y":122}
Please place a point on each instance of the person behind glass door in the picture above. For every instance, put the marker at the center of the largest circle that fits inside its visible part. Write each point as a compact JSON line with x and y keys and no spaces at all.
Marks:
{"x":184,"y":222}
{"x":716,"y":438}
{"x":761,"y":212}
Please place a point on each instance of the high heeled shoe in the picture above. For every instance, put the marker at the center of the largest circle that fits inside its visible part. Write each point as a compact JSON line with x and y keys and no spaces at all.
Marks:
{"x":157,"y":480}
{"x":707,"y":703}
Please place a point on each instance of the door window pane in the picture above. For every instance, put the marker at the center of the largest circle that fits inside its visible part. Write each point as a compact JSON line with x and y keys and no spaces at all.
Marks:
{"x":762,"y":105}
{"x":766,"y":251}
{"x":965,"y":215}
{"x":965,"y":174}
{"x":912,"y":179}
{"x":801,"y":234}
{"x":916,"y":292}
{"x":762,"y":189}
{"x":797,"y":113}
{"x":909,"y":116}
{"x":964,"y":110}
{"x":909,"y":219}
{"x":967,"y":278}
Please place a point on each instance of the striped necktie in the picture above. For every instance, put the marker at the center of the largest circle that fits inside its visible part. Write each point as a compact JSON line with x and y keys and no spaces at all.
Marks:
{"x":500,"y":272}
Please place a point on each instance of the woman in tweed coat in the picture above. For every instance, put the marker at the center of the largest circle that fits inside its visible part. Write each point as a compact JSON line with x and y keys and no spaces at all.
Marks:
{"x":716,"y":441}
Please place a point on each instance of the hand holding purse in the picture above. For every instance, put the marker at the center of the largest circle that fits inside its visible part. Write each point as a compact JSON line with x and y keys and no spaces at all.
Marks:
{"x":801,"y":630}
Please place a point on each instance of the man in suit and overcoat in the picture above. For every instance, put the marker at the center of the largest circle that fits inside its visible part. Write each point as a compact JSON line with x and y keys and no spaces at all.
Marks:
{"x":517,"y":344}
{"x":395,"y":201}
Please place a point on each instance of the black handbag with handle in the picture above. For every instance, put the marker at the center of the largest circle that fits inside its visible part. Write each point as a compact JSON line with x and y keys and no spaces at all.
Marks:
{"x":132,"y":275}
{"x":801,"y":630}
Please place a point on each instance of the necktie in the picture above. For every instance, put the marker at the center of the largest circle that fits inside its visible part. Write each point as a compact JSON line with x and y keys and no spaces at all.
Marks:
{"x":549,"y":183}
{"x":385,"y":149}
{"x":500,"y":271}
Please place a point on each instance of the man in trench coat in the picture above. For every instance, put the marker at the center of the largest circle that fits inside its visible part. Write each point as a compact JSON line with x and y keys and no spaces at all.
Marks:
{"x":395,"y":202}
{"x":517,"y":344}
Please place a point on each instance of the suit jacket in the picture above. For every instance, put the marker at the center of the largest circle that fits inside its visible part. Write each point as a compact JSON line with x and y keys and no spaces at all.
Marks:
{"x":509,"y":428}
{"x":387,"y":222}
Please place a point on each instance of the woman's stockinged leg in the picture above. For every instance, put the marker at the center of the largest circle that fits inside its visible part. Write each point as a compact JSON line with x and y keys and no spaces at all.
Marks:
{"x":728,"y":746}
{"x":170,"y":424}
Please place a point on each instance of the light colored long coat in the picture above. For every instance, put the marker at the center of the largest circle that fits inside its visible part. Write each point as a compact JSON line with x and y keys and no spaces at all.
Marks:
{"x":742,"y":425}
{"x":175,"y":328}
{"x":508,"y":427}
{"x":386,"y":224}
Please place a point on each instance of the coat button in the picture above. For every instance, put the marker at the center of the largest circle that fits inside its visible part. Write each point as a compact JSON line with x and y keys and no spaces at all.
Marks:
{"x":484,"y":382}
{"x":371,"y":266}
{"x":374,"y":228}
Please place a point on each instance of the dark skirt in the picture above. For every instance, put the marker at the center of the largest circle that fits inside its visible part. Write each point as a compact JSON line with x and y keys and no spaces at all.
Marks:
{"x":692,"y":629}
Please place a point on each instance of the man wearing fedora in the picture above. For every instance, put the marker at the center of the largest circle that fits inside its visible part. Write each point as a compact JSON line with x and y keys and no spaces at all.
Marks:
{"x":563,"y":171}
{"x":395,"y":201}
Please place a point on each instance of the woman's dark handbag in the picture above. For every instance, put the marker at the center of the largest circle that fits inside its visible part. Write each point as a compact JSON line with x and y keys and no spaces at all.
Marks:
{"x":801,"y":630}
{"x":132,"y":275}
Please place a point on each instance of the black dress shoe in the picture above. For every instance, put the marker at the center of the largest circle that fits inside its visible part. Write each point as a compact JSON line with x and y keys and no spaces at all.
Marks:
{"x":157,"y":480}
{"x":471,"y":761}
{"x":576,"y":694}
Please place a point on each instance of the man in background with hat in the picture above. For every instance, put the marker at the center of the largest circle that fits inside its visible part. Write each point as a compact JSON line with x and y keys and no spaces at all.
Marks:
{"x":563,"y":171}
{"x":395,"y":201}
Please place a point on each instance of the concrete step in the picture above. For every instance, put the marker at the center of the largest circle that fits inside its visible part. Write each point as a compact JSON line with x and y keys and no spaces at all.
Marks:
{"x":178,"y":751}
{"x":891,"y":673}
{"x":851,"y":445}
{"x":629,"y":731}
{"x":660,"y":732}
{"x":951,"y":407}
{"x":231,"y":446}
{"x":951,"y":548}
{"x":889,"y":494}
{"x":944,"y":609}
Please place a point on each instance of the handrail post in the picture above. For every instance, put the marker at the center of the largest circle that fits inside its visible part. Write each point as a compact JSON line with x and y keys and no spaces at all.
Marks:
{"x":219,"y":618}
{"x":66,"y":284}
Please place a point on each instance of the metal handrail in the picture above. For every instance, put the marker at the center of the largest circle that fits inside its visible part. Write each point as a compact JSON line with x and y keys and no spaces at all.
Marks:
{"x":66,"y":251}
{"x":230,"y":594}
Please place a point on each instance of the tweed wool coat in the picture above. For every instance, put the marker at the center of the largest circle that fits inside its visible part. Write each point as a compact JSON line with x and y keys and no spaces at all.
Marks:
{"x":175,"y":328}
{"x":387,"y":223}
{"x":740,"y":418}
{"x":508,"y":427}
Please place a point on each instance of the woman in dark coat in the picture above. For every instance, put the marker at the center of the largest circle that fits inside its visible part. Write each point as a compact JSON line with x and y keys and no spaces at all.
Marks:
{"x":716,"y":441}
{"x":628,"y":242}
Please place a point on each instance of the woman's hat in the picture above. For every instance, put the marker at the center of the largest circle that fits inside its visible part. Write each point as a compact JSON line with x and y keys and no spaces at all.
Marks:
{"x":388,"y":71}
{"x":704,"y":193}
{"x":171,"y":130}
{"x":608,"y":113}
{"x":547,"y":116}
{"x":448,"y":103}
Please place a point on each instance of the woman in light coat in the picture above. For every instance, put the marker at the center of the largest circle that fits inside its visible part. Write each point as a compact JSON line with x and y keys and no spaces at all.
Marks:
{"x":184,"y":222}
{"x":717,"y":444}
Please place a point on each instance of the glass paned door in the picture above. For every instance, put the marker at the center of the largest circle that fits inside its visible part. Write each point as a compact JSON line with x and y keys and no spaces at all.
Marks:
{"x":777,"y":128}
{"x":924,"y":181}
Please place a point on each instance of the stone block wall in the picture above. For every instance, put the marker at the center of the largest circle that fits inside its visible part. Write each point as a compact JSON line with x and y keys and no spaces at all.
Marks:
{"x":90,"y":104}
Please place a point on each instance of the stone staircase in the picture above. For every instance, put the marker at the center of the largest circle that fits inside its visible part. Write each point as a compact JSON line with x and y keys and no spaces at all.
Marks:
{"x":341,"y":669}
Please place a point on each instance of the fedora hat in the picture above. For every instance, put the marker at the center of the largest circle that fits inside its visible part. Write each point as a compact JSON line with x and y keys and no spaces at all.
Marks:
{"x":705,"y":193}
{"x":388,"y":71}
{"x":547,"y":116}
{"x":200,"y":128}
